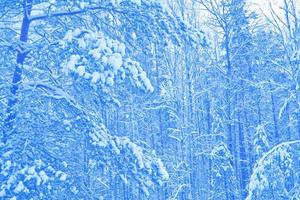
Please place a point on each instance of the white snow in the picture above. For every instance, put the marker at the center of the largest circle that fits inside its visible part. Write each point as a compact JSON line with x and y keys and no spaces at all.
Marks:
{"x":7,"y":165}
{"x":81,"y":43}
{"x":148,"y":85}
{"x":50,"y":168}
{"x":11,"y":180}
{"x":133,"y":35}
{"x":114,"y":147}
{"x":69,"y":36}
{"x":146,"y":81}
{"x":7,"y":154}
{"x":58,"y":173}
{"x":109,"y":43}
{"x":92,"y":163}
{"x":260,"y":141}
{"x":149,"y":183}
{"x":124,"y":179}
{"x":20,"y":187}
{"x":24,"y":170}
{"x":102,"y":78}
{"x":82,"y":5}
{"x":67,"y":122}
{"x":72,"y":62}
{"x":101,"y":44}
{"x":110,"y":81}
{"x":87,"y":75}
{"x":39,"y":163}
{"x":122,"y":49}
{"x":63,"y":177}
{"x":95,"y":77}
{"x":284,"y":106}
{"x":38,"y":180}
{"x":80,"y":70}
{"x":133,"y":70}
{"x":95,"y":53}
{"x":76,"y":32}
{"x":43,"y":176}
{"x":31,"y":170}
{"x":104,"y":59}
{"x":258,"y":180}
{"x":2,"y":193}
{"x":110,"y":52}
{"x":162,"y":170}
{"x":115,"y":2}
{"x":137,"y":152}
{"x":65,"y":164}
{"x":137,"y":2}
{"x":115,"y":61}
{"x":74,"y":189}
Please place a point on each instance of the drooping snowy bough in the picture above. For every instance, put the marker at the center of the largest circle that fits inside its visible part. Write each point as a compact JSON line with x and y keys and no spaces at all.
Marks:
{"x":276,"y":174}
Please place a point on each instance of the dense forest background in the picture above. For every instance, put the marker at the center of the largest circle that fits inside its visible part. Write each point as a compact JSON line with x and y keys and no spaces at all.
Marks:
{"x":137,"y":99}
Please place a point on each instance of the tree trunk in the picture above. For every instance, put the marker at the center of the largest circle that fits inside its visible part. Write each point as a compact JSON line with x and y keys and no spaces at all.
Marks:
{"x":276,"y":133}
{"x":17,"y":76}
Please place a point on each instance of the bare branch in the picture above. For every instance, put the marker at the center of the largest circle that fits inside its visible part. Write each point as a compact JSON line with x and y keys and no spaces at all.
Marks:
{"x":67,"y":13}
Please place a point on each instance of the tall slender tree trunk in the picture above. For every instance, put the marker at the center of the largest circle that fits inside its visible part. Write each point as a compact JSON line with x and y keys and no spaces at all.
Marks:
{"x":227,"y":94}
{"x":244,"y":172}
{"x":298,"y":124}
{"x":289,"y":131}
{"x":17,"y":76}
{"x":276,"y":132}
{"x":191,"y":123}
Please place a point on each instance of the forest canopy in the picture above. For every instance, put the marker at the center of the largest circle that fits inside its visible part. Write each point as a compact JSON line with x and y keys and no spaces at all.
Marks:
{"x":149,"y":99}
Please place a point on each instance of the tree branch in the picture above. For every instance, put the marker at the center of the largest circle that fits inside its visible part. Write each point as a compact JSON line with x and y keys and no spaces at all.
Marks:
{"x":66,"y":13}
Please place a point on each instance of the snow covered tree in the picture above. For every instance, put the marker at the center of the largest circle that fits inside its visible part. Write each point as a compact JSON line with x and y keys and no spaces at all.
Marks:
{"x":125,"y":99}
{"x":231,"y":18}
{"x":287,"y":66}
{"x":261,"y":141}
{"x":71,"y":57}
{"x":223,"y":180}
{"x":276,"y":174}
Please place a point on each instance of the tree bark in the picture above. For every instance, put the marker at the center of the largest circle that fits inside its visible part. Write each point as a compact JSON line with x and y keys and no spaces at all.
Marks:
{"x":17,"y":76}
